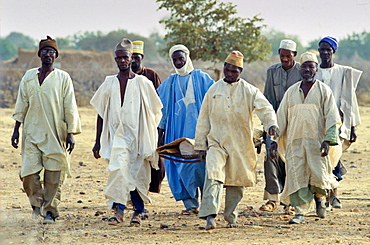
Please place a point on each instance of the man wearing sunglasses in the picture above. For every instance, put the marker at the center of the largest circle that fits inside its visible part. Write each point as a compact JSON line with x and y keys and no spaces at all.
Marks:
{"x":46,"y":106}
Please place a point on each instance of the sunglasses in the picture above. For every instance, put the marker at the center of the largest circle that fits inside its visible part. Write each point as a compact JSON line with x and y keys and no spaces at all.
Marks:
{"x":48,"y":51}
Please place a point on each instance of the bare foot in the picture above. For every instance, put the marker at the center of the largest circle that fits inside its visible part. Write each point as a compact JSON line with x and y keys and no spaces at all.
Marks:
{"x":211,"y":223}
{"x":36,"y":212}
{"x":232,"y":225}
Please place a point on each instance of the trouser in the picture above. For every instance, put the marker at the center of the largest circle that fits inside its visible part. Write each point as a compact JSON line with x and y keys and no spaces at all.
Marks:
{"x":137,"y":202}
{"x":47,"y":196}
{"x":339,"y":169}
{"x":212,"y":197}
{"x":192,"y":203}
{"x":303,"y":199}
{"x":157,"y":177}
{"x":274,"y":171}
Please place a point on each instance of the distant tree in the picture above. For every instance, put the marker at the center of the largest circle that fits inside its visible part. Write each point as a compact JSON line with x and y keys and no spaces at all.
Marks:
{"x":158,"y":41}
{"x":66,"y":42}
{"x":210,"y":29}
{"x":355,"y":43}
{"x":106,"y":42}
{"x":7,"y":49}
{"x":313,"y":45}
{"x":21,"y":40}
{"x":274,"y":38}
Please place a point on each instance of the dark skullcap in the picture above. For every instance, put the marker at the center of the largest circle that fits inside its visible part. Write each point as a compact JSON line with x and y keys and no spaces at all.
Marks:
{"x":48,"y":42}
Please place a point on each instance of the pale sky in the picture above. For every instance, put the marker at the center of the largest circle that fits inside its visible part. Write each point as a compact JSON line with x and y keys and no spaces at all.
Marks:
{"x":309,"y":19}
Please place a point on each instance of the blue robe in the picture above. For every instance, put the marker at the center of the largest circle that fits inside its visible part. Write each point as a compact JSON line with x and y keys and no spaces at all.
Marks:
{"x":179,"y":121}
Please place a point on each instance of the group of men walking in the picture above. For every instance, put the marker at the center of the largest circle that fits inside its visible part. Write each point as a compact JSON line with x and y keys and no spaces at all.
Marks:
{"x":310,"y":109}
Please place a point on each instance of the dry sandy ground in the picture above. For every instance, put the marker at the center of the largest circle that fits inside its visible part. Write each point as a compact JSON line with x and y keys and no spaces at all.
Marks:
{"x":83,"y":205}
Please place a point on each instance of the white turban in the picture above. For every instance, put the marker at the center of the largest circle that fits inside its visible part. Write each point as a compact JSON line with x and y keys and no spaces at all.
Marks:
{"x":188,"y":67}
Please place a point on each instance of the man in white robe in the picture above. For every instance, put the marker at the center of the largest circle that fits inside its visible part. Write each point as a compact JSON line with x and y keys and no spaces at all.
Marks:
{"x":225,"y":131}
{"x":308,"y":121}
{"x":343,"y":82}
{"x":129,"y":111}
{"x":46,"y":107}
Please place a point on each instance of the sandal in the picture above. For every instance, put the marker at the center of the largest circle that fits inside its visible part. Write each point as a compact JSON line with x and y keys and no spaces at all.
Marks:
{"x":190,"y":211}
{"x":113,"y":221}
{"x":269,"y":206}
{"x":135,"y":221}
{"x":289,"y":210}
{"x":144,"y":215}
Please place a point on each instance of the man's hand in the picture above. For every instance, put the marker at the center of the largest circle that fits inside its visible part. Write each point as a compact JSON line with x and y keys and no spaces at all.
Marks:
{"x":160,"y":137}
{"x":202,"y":155}
{"x":274,"y":131}
{"x":324,"y":148}
{"x":15,"y":138}
{"x":353,"y":136}
{"x":70,"y":143}
{"x":274,"y":147}
{"x":96,"y":150}
{"x":257,"y":145}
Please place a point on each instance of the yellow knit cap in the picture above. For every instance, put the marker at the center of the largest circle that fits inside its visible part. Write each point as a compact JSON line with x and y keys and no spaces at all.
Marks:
{"x":138,"y":47}
{"x":235,"y":58}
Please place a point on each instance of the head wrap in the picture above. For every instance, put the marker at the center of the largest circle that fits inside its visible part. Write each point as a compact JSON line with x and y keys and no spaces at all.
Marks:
{"x":308,"y":56}
{"x":288,"y":45}
{"x":138,"y":47}
{"x":125,"y":45}
{"x":235,"y":58}
{"x":331,"y":41}
{"x":48,"y":42}
{"x":188,"y":67}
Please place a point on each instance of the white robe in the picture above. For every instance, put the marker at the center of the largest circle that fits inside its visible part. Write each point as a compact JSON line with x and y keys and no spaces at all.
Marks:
{"x":225,"y":129}
{"x":129,"y":135}
{"x":47,"y":113}
{"x":303,"y":123}
{"x":343,"y":82}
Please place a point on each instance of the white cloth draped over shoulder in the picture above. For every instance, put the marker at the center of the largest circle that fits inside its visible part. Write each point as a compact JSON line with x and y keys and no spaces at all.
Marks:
{"x":343,"y":81}
{"x":129,"y":135}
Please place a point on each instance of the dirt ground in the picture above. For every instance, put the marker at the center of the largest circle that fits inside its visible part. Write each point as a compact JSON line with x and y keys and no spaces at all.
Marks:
{"x":83,"y":205}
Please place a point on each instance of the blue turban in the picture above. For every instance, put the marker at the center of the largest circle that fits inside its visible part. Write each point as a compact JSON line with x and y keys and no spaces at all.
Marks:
{"x":332,"y":42}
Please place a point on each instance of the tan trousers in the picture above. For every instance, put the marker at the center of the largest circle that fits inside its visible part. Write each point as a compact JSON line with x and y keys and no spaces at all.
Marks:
{"x":47,"y":196}
{"x":212,"y":197}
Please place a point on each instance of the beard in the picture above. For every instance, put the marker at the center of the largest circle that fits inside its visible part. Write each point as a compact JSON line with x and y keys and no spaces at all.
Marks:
{"x":134,"y":66}
{"x":47,"y":61}
{"x":309,"y":79}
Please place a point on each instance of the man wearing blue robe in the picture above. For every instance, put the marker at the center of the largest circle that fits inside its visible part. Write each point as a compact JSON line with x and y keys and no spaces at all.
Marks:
{"x":182,"y":95}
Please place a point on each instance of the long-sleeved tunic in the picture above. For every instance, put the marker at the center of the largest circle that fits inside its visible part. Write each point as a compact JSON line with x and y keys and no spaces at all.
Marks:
{"x":225,"y":129}
{"x":48,"y":112}
{"x":304,"y":124}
